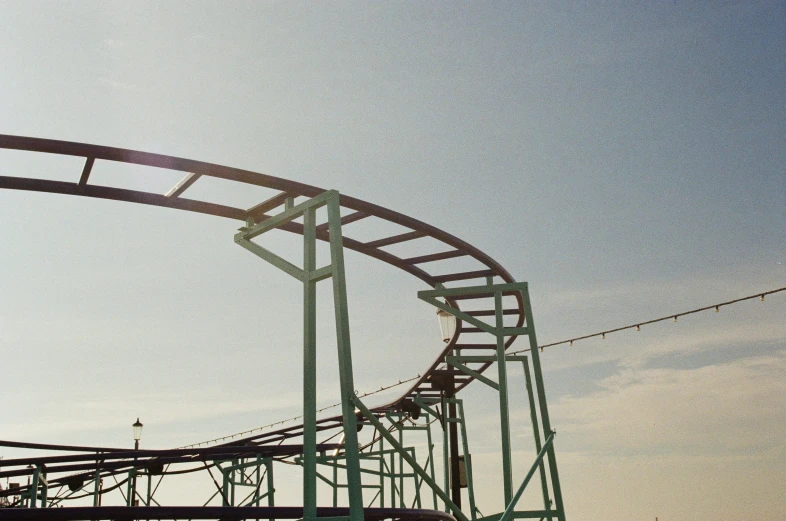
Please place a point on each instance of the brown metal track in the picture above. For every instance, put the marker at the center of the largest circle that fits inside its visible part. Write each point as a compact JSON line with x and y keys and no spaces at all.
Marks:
{"x":452,"y":246}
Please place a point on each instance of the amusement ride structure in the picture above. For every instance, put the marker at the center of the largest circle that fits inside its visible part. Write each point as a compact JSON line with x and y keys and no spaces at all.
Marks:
{"x":373,"y":474}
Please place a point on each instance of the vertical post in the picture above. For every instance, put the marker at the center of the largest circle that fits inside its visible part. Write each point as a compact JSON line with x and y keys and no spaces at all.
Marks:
{"x":34,"y":488}
{"x":258,"y":476}
{"x":467,"y":462}
{"x":544,"y":410}
{"x":309,"y":366}
{"x":455,"y":481}
{"x":270,"y":488}
{"x":97,"y":486}
{"x":445,"y":453}
{"x":233,"y":470}
{"x":224,"y":487}
{"x":149,"y":488}
{"x":381,"y":472}
{"x":504,"y":420}
{"x":393,"y":489}
{"x":130,"y":488}
{"x":354,"y":483}
{"x":536,"y":430}
{"x":401,"y":503}
{"x":431,"y":456}
{"x":45,"y":488}
{"x":335,"y":480}
{"x":132,"y":495}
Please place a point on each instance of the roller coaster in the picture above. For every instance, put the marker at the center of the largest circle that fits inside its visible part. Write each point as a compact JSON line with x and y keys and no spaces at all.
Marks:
{"x":372,"y":473}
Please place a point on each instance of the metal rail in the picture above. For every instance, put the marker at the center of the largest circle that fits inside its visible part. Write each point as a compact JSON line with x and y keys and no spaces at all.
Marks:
{"x":451,"y":371}
{"x":455,"y":247}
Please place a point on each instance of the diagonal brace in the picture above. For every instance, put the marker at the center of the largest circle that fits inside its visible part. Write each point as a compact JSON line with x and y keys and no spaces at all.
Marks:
{"x":409,"y":459}
{"x":508,"y":514}
{"x":451,"y":360}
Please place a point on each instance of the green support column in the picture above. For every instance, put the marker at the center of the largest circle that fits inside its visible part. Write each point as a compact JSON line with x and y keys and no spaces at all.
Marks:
{"x":149,"y":488}
{"x":130,"y":492}
{"x":97,"y":487}
{"x":393,"y":480}
{"x":309,"y":275}
{"x":401,"y":503}
{"x":455,"y":482}
{"x":271,"y":502}
{"x":445,"y":453}
{"x":501,"y":332}
{"x":504,"y":420}
{"x":309,"y":366}
{"x":431,"y":456}
{"x":354,"y":484}
{"x":544,"y":410}
{"x":455,"y":510}
{"x":467,"y":460}
{"x":381,"y":472}
{"x":536,"y":431}
{"x":34,"y":488}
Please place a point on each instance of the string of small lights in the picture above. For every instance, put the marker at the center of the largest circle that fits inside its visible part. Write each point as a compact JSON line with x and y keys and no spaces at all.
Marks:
{"x":270,"y":425}
{"x":637,"y":326}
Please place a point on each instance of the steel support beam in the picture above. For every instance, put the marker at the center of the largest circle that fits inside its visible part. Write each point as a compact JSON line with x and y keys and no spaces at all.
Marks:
{"x":309,"y":275}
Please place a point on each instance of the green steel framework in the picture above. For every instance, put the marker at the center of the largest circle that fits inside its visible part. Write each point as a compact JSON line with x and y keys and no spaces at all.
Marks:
{"x":243,"y":467}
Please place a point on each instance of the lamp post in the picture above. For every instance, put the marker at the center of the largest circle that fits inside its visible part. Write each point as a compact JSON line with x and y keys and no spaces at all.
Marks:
{"x":137,"y":426}
{"x":447,"y":325}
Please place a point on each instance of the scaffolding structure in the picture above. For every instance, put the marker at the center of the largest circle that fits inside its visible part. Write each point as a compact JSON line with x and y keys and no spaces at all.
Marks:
{"x":409,"y":459}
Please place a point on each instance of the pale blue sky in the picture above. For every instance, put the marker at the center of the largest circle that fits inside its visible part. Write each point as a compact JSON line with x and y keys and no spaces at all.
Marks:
{"x":626,"y":159}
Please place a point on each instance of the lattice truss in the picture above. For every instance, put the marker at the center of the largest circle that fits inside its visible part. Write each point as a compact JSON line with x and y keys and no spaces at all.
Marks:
{"x":407,"y":459}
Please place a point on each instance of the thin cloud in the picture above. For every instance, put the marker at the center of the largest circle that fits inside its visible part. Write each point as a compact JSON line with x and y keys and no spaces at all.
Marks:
{"x":732,"y":408}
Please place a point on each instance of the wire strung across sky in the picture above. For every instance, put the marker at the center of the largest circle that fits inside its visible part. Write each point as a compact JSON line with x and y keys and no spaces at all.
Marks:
{"x":637,"y":325}
{"x":569,"y":341}
{"x":323,"y":409}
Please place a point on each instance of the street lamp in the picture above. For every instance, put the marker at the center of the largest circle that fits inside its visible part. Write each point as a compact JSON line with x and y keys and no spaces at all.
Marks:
{"x":137,"y":426}
{"x":447,"y":324}
{"x":137,"y":433}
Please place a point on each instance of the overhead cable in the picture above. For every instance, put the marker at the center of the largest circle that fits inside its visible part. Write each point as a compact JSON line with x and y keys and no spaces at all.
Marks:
{"x":637,"y":326}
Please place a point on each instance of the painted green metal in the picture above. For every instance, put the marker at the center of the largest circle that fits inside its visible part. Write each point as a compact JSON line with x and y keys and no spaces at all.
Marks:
{"x":512,"y":505}
{"x":381,"y":470}
{"x":536,"y":432}
{"x":504,"y":413}
{"x":234,"y":475}
{"x":39,"y":479}
{"x":430,"y":442}
{"x":149,"y":490}
{"x":500,"y":331}
{"x":467,"y":459}
{"x":131,"y":487}
{"x":309,"y":275}
{"x":466,"y":370}
{"x":543,"y":406}
{"x":401,"y":466}
{"x":97,"y":486}
{"x":309,"y":365}
{"x":355,"y":490}
{"x":271,"y":490}
{"x":457,"y":513}
{"x":445,"y":454}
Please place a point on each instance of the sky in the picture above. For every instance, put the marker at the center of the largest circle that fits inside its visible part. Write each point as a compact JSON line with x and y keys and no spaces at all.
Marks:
{"x":626,"y":159}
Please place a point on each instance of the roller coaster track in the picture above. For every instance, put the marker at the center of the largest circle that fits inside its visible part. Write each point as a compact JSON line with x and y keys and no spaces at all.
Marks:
{"x":429,"y":268}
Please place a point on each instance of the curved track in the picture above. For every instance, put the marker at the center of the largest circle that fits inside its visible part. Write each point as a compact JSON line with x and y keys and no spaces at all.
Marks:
{"x":425,"y":267}
{"x":430,"y":268}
